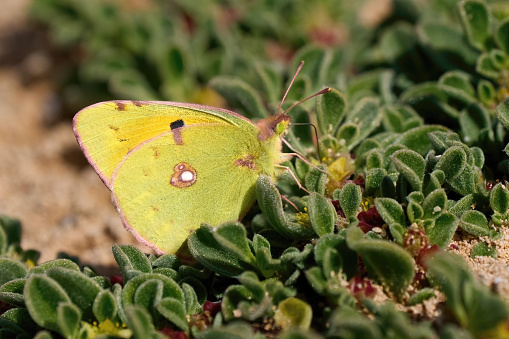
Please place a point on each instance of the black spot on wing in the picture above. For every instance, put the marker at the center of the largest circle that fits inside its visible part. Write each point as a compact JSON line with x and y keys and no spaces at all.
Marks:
{"x":177,"y":124}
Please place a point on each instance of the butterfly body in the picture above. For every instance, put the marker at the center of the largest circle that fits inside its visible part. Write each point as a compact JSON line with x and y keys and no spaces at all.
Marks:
{"x":172,"y":166}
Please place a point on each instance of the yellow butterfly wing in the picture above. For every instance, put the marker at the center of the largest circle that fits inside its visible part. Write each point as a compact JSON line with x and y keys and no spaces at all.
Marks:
{"x":167,"y":186}
{"x":107,"y":131}
{"x":172,"y":166}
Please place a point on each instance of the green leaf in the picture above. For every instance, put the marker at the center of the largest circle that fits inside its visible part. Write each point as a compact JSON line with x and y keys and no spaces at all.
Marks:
{"x":239,"y":94}
{"x":167,"y":261}
{"x":140,"y":322}
{"x":69,"y":318}
{"x":105,"y":306}
{"x":173,"y":310}
{"x":129,"y":258}
{"x":233,"y":330}
{"x":170,"y":288}
{"x":487,"y":67}
{"x":19,"y":320}
{"x":386,"y":261}
{"x":502,"y":36}
{"x":332,"y":262}
{"x":64,"y":263}
{"x":350,"y":198}
{"x":475,"y":223}
{"x":132,"y":84}
{"x":269,"y":200}
{"x":322,"y":214}
{"x":463,"y":205}
{"x":420,"y":296}
{"x":12,"y":292}
{"x":316,"y":180}
{"x":208,"y":252}
{"x":486,"y":92}
{"x":192,"y":305}
{"x":416,"y":139}
{"x":349,"y":132}
{"x":270,"y":81}
{"x":503,"y":113}
{"x":452,"y":162}
{"x":316,"y":280}
{"x":374,"y":178}
{"x":374,"y":160}
{"x":457,"y":85}
{"x":330,"y":111}
{"x":475,"y":307}
{"x":42,"y":296}
{"x":232,"y":237}
{"x":390,"y":210}
{"x":367,"y":116}
{"x":338,"y":243}
{"x":434,"y":204}
{"x":482,"y":249}
{"x":81,"y":289}
{"x":11,"y":270}
{"x":499,"y":199}
{"x":293,"y":313}
{"x":475,"y":17}
{"x":148,"y":294}
{"x":411,"y":165}
{"x":442,"y":232}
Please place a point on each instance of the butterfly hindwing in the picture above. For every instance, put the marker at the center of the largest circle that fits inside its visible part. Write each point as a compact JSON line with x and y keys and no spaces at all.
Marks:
{"x":166,"y":187}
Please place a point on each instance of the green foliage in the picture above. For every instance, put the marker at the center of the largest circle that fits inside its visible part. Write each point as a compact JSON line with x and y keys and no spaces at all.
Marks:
{"x":410,"y":140}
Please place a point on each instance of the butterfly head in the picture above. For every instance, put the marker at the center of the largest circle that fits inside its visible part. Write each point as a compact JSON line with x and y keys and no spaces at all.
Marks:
{"x":273,"y":126}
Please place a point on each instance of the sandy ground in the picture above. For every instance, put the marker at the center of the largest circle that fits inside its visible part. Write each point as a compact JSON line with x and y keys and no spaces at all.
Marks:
{"x":44,"y":179}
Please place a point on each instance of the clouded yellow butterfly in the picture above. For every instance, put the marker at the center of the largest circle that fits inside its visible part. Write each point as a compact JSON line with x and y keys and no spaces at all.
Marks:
{"x":171,"y":166}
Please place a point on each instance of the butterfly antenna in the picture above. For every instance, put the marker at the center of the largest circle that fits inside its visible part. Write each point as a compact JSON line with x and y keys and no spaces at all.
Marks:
{"x":301,"y":64}
{"x":323,"y":91}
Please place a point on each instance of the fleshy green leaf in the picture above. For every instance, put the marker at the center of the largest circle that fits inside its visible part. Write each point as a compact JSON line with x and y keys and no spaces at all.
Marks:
{"x":330,"y":111}
{"x":43,"y":295}
{"x":386,"y":261}
{"x":208,"y":252}
{"x":269,"y":200}
{"x":322,"y":214}
{"x":484,"y":250}
{"x":293,"y":313}
{"x":173,"y":310}
{"x":390,"y":211}
{"x":81,"y":289}
{"x":240,"y":94}
{"x":350,"y":198}
{"x":476,"y":22}
{"x":105,"y":306}
{"x":442,"y":232}
{"x":64,"y":263}
{"x":475,"y":223}
{"x":502,"y":36}
{"x":499,"y":198}
{"x":411,"y":165}
{"x":11,"y":270}
{"x":434,"y":204}
{"x":232,"y":237}
{"x":129,"y":258}
{"x":69,"y":318}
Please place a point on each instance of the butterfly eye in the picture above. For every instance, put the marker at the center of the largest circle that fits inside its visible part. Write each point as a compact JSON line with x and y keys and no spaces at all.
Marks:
{"x":280,"y":128}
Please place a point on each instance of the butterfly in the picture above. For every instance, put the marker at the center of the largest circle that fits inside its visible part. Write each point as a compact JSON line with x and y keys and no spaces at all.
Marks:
{"x":171,"y":166}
